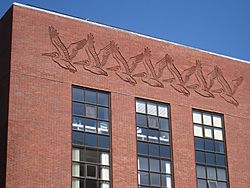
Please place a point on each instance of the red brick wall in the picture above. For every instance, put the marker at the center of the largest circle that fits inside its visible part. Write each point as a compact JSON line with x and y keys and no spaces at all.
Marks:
{"x":183,"y":146}
{"x":39,"y":137}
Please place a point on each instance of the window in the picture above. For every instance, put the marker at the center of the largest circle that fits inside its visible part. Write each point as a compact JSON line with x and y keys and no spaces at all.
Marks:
{"x":90,"y":139}
{"x":153,"y":144}
{"x":211,"y":166}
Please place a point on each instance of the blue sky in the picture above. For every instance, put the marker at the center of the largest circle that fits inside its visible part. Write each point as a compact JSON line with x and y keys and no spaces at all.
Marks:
{"x":219,"y":26}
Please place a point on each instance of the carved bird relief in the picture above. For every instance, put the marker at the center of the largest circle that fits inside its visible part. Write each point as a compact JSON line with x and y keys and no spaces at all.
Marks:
{"x":227,"y":91}
{"x":125,"y":68}
{"x":211,"y":77}
{"x":152,"y":74}
{"x":64,"y":55}
{"x":202,"y":87}
{"x":179,"y":80}
{"x":93,"y":63}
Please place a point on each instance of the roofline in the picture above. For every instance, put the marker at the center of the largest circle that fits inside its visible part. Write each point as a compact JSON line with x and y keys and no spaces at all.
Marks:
{"x":125,"y":31}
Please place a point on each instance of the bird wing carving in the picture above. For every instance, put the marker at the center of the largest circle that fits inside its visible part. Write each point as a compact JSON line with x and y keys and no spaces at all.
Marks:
{"x":56,"y":41}
{"x":75,"y":47}
{"x":120,"y":60}
{"x":226,"y":87}
{"x":134,"y":61}
{"x":211,"y":77}
{"x":148,"y":64}
{"x":105,"y":52}
{"x":199,"y":75}
{"x":92,"y":51}
{"x":187,"y":73}
{"x":174,"y":71}
{"x":236,"y":83}
{"x":161,"y":65}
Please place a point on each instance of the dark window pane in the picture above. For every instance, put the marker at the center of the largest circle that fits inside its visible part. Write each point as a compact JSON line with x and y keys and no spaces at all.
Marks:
{"x":90,"y":125}
{"x":91,"y":111}
{"x":164,"y":124}
{"x":142,"y":163}
{"x":153,"y":150}
{"x":103,"y":127}
{"x":82,"y":154}
{"x":153,"y":136}
{"x":221,"y":174}
{"x":200,"y":157}
{"x":209,"y":145}
{"x":103,"y":141}
{"x":153,"y":122}
{"x":154,"y":165}
{"x":199,"y":143}
{"x":164,"y":137}
{"x":212,"y":184}
{"x":103,"y":99}
{"x":78,"y":138}
{"x":77,"y":123}
{"x":141,"y":120}
{"x":143,"y":178}
{"x":91,"y":156}
{"x":165,"y":151}
{"x":141,"y":134}
{"x":154,"y":179}
{"x":222,"y":185}
{"x":103,"y":113}
{"x":210,"y":158}
{"x":211,"y":173}
{"x":90,"y":96}
{"x":78,"y":109}
{"x":220,"y":160}
{"x":91,"y":183}
{"x":90,"y":140}
{"x":82,"y":183}
{"x":219,"y":147}
{"x":91,"y":171}
{"x":202,"y":183}
{"x":201,"y":171}
{"x":78,"y":94}
{"x":142,"y":148}
{"x":82,"y":170}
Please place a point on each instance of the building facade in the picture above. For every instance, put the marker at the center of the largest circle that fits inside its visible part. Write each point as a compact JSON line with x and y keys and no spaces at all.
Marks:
{"x":88,"y":105}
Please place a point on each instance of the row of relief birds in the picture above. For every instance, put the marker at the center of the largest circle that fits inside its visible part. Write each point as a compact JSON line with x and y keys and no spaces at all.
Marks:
{"x":152,"y":74}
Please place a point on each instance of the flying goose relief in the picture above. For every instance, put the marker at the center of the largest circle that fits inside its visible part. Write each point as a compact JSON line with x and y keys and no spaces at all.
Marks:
{"x":98,"y":64}
{"x":93,"y":63}
{"x":64,"y":55}
{"x":125,"y":68}
{"x":179,"y":80}
{"x":152,"y":74}
{"x":227,"y":91}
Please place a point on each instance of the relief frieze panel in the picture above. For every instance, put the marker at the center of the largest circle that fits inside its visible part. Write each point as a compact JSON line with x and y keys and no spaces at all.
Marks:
{"x":110,"y":59}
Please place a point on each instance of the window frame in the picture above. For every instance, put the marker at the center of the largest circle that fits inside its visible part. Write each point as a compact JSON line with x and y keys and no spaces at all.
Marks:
{"x":96,"y":148}
{"x":148,"y":156}
{"x":204,"y":138}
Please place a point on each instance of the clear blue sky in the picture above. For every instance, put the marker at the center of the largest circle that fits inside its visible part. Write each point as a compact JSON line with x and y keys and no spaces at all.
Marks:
{"x":220,"y":26}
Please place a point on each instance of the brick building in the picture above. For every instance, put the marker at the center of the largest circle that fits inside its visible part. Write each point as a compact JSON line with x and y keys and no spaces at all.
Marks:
{"x":88,"y":105}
